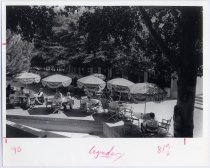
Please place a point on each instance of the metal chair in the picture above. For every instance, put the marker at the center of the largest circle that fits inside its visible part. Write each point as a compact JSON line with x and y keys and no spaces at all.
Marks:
{"x":165,"y":124}
{"x":114,"y":111}
{"x":32,"y":102}
{"x":57,"y":106}
{"x":14,"y":99}
{"x":48,"y":102}
{"x":93,"y":106}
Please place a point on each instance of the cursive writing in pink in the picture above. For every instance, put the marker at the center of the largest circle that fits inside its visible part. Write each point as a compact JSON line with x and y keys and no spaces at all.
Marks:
{"x":16,"y":149}
{"x":96,"y":153}
{"x":164,"y":149}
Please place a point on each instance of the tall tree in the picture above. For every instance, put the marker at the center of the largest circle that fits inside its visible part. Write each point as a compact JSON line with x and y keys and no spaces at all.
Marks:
{"x":18,"y":52}
{"x":116,"y":34}
{"x":186,"y":62}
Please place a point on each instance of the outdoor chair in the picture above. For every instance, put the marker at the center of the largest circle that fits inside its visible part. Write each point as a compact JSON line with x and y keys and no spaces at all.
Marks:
{"x":57,"y":105}
{"x":32,"y":102}
{"x":105,"y":104}
{"x":127,"y":112}
{"x":130,"y":120}
{"x":114,"y":111}
{"x":165,"y":124}
{"x":48,"y":102}
{"x":93,"y":106}
{"x":14,"y":99}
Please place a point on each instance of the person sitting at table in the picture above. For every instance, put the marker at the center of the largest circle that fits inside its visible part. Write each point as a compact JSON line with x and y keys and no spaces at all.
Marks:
{"x":40,"y":97}
{"x":151,"y":125}
{"x":58,"y":101}
{"x":69,"y":101}
{"x":58,"y":95}
{"x":88,"y":104}
{"x":22,"y":96}
{"x":8,"y":90}
{"x":146,"y":116}
{"x":26,"y":102}
{"x":22,"y":91}
{"x":88,"y":93}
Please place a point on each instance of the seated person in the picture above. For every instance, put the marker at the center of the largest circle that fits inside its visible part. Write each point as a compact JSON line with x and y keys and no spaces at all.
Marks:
{"x":69,"y":101}
{"x":89,"y":104}
{"x":8,"y":90}
{"x":12,"y":90}
{"x":146,"y":116}
{"x":58,"y":101}
{"x":31,"y":94}
{"x":22,"y":91}
{"x":27,"y":102}
{"x":58,"y":95}
{"x":22,"y":96}
{"x":88,"y":93}
{"x":150,"y":126}
{"x":40,"y":97}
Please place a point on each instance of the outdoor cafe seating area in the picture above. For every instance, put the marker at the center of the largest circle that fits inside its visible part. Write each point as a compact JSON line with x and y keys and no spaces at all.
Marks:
{"x":106,"y":99}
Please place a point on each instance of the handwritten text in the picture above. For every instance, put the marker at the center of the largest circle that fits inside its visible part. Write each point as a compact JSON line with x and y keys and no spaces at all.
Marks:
{"x":110,"y":153}
{"x":164,"y":149}
{"x":16,"y":149}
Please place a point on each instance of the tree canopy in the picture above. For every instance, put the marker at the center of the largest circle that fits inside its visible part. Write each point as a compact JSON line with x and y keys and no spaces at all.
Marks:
{"x":106,"y":36}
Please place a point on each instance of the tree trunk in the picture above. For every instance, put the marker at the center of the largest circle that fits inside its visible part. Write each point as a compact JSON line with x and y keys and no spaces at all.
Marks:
{"x":186,"y":65}
{"x":184,"y":109}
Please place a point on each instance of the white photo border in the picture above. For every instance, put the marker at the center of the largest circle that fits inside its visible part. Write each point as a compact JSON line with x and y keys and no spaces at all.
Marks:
{"x":135,"y":151}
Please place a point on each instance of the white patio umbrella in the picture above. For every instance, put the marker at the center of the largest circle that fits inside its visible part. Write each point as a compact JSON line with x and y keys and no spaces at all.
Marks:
{"x":56,"y":81}
{"x":91,"y":82}
{"x":98,"y":75}
{"x":28,"y":78}
{"x":120,"y":85}
{"x":147,"y":92}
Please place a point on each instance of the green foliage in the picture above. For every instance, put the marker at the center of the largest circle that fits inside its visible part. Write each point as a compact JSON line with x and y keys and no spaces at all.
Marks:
{"x":30,"y":21}
{"x":103,"y":36}
{"x":19,"y":53}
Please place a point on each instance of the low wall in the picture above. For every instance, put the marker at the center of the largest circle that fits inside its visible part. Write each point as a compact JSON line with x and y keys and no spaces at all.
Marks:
{"x":59,"y":124}
{"x":114,"y":130}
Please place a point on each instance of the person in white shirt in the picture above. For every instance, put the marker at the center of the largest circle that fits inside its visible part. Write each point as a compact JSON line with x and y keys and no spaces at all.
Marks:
{"x":69,"y":101}
{"x":40,"y":97}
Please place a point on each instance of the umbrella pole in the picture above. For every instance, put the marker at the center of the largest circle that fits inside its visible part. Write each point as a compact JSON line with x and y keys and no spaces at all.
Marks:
{"x":120,"y":97}
{"x":26,"y":87}
{"x":145,"y":107}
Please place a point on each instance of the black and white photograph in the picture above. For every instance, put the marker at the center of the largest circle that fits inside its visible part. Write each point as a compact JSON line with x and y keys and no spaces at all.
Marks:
{"x":105,"y":83}
{"x":104,"y":71}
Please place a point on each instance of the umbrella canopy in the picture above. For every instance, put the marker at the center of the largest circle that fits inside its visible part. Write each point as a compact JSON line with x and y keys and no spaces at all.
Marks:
{"x":56,"y":81}
{"x":101,"y":76}
{"x":28,"y":78}
{"x":119,"y":84}
{"x":91,"y":82}
{"x":147,"y":92}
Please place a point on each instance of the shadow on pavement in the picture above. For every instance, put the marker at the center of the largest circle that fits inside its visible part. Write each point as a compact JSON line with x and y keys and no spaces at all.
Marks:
{"x":76,"y":113}
{"x":40,"y":111}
